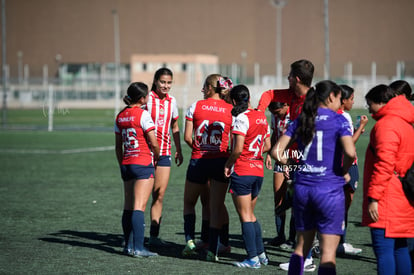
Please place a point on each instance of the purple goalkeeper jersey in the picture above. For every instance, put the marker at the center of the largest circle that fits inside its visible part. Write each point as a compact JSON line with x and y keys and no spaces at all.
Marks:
{"x":320,"y":162}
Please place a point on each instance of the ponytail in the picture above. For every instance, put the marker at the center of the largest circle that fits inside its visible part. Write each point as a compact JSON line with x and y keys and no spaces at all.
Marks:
{"x":306,"y":128}
{"x":314,"y":98}
{"x":240,"y":96}
{"x":135,"y":92}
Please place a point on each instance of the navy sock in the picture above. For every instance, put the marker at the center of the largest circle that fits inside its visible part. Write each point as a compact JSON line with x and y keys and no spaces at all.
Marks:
{"x":189,"y":226}
{"x":213,"y":239}
{"x":205,"y":226}
{"x":249,"y":237}
{"x":295,"y":265}
{"x":259,"y":239}
{"x":280,"y":221}
{"x":138,"y":227}
{"x":154,"y":230}
{"x":292,"y":229}
{"x":127,"y":225}
{"x":224,"y":234}
{"x":325,"y":270}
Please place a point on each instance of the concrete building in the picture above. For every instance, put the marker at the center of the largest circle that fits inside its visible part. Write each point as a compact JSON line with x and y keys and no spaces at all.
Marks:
{"x":188,"y":69}
{"x":237,"y":31}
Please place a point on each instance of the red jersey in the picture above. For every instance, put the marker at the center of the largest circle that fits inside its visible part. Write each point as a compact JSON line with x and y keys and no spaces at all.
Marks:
{"x":252,"y":124}
{"x":211,"y":128}
{"x":295,"y":102}
{"x":133,"y":123}
{"x":279,"y":125}
{"x":162,"y":112}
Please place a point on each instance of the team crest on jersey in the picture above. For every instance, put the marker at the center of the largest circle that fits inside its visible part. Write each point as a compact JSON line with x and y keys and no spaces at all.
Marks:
{"x":161,"y":111}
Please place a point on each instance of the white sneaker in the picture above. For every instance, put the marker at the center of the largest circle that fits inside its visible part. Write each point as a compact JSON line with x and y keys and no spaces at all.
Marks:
{"x":347,"y":248}
{"x":308,"y":266}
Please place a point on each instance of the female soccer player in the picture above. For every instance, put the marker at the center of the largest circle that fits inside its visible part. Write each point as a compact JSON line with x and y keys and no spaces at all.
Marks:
{"x":164,"y":112}
{"x":251,"y":136}
{"x":280,"y":120}
{"x":136,"y":149}
{"x":207,"y":131}
{"x":323,"y":137}
{"x":347,"y":99}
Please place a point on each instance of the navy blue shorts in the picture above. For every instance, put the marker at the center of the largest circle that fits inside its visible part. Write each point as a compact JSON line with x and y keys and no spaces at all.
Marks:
{"x":353,"y":183}
{"x":201,"y":170}
{"x":245,"y":185}
{"x":136,"y":172}
{"x":319,"y":208}
{"x":164,"y":161}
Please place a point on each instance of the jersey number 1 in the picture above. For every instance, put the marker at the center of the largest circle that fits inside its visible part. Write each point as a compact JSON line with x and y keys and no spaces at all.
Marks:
{"x":319,"y":153}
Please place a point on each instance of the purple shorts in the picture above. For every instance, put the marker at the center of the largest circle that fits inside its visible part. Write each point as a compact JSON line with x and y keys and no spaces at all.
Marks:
{"x":318,"y":207}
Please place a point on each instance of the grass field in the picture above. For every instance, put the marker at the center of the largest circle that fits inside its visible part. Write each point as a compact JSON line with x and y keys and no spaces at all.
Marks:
{"x":61,"y":195}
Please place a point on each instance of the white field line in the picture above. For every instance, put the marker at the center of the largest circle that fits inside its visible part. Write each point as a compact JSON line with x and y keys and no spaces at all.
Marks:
{"x":63,"y":152}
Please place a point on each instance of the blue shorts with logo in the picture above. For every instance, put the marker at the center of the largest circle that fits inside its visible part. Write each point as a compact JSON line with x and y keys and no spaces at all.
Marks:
{"x":353,"y":183}
{"x":320,"y":208}
{"x":164,"y":161}
{"x":136,"y":172}
{"x":202,"y":170}
{"x":245,"y":185}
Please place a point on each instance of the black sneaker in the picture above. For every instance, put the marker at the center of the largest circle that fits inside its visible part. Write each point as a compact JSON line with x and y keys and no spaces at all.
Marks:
{"x":276,"y":241}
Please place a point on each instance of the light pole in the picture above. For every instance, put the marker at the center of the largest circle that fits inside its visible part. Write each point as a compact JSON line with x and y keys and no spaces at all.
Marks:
{"x":326,"y":24}
{"x":243,"y":55}
{"x":3,"y":62}
{"x":117,"y":60}
{"x":58,"y":59}
{"x":279,"y":4}
{"x":20,"y":67}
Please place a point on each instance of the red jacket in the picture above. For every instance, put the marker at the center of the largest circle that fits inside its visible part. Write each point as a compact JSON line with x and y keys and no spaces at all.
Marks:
{"x":390,"y":152}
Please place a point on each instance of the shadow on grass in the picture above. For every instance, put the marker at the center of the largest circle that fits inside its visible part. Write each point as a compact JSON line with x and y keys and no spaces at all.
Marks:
{"x":110,"y":243}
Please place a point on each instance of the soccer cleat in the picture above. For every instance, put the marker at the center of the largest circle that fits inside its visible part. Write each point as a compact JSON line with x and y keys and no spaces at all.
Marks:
{"x":249,"y":263}
{"x":128,"y":251}
{"x":289,"y":245}
{"x":276,"y":241}
{"x":263,"y":259}
{"x":189,"y":249}
{"x":211,"y":257}
{"x":308,"y":266}
{"x":144,"y":253}
{"x":224,"y":249}
{"x":348,"y":249}
{"x":155,"y":241}
{"x":316,"y":251}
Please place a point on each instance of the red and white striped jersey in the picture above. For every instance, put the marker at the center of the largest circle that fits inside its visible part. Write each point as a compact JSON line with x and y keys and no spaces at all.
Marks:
{"x":211,"y":128}
{"x":133,"y":123}
{"x":252,"y":124}
{"x":279,"y":125}
{"x":162,"y":112}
